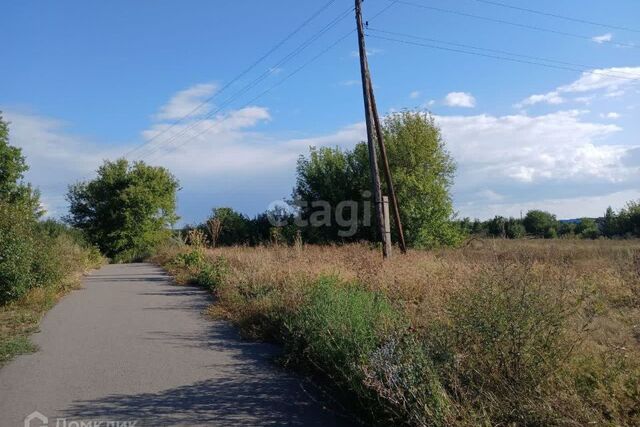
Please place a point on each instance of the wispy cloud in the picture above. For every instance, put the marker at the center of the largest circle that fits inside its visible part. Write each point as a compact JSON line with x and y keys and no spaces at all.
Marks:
{"x":612,"y":115}
{"x":614,"y":81}
{"x":372,"y":51}
{"x":415,"y":94}
{"x":350,"y":82}
{"x":185,"y":101}
{"x":603,"y":38}
{"x":552,"y":98}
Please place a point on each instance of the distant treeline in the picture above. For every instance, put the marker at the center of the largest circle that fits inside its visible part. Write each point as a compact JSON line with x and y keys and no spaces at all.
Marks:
{"x":536,"y":223}
{"x":227,"y":227}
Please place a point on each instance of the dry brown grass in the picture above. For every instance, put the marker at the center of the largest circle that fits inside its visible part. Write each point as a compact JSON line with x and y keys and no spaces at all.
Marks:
{"x":594,"y":285}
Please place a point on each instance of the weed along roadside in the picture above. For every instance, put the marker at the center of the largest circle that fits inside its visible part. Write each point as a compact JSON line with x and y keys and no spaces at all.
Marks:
{"x":511,"y":333}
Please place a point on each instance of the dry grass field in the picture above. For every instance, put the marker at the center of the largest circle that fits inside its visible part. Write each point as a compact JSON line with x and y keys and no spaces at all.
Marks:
{"x":499,"y":332}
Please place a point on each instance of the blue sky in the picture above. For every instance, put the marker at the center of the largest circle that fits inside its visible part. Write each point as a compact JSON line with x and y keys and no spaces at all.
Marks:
{"x":84,"y":81}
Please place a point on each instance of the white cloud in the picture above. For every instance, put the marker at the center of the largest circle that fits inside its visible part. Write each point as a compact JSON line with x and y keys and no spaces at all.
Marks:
{"x":415,"y":94}
{"x":610,"y":79}
{"x":460,"y":99}
{"x":552,"y":98}
{"x":612,"y":115}
{"x":186,"y":101}
{"x":603,"y":38}
{"x":614,"y":81}
{"x":527,"y":149}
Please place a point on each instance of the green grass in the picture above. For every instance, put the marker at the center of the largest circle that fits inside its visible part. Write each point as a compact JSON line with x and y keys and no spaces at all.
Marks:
{"x":14,"y":346}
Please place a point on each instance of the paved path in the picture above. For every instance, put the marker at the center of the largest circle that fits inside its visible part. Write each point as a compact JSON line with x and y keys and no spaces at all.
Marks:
{"x":130,"y":346}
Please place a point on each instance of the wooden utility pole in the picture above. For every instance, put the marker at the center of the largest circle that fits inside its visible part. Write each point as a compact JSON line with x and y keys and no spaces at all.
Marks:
{"x":374,"y":131}
{"x":373,"y":159}
{"x":387,"y":173}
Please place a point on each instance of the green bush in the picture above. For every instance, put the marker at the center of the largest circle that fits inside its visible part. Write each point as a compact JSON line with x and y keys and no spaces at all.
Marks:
{"x":212,"y":273}
{"x":17,"y":252}
{"x":338,"y":329}
{"x":33,"y":255}
{"x":191,"y":259}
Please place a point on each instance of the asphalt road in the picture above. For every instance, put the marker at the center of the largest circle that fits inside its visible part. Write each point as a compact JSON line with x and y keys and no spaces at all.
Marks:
{"x":130,"y":346}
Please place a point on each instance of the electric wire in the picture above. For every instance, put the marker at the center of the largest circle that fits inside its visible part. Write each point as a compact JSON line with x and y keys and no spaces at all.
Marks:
{"x":619,"y":74}
{"x":292,"y":74}
{"x":267,"y":73}
{"x":515,"y":24}
{"x":558,"y":16}
{"x":503,"y":58}
{"x":239,"y":76}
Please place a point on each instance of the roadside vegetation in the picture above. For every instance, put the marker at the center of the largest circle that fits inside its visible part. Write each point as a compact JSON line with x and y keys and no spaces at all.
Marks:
{"x":499,"y":332}
{"x":39,"y":260}
{"x":525,"y":329}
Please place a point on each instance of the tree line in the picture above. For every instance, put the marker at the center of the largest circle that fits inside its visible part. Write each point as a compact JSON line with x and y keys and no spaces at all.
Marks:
{"x":537,"y":223}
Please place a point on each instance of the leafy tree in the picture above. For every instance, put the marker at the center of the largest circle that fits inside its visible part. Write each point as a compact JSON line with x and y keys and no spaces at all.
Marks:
{"x":235,"y":227}
{"x":422,"y":170}
{"x":333,"y":176}
{"x":540,"y":223}
{"x":587,"y":228}
{"x":567,"y":229}
{"x":629,"y":219}
{"x":515,"y":229}
{"x":12,"y":168}
{"x":610,"y":223}
{"x":126,"y":210}
{"x":497,"y":226}
{"x":423,"y":173}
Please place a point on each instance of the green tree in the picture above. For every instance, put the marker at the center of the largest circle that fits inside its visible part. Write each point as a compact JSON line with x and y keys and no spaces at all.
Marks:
{"x":126,"y":210}
{"x":235,"y":227}
{"x":587,"y":228}
{"x":497,"y":226}
{"x":422,"y":170}
{"x":423,"y":173}
{"x":333,"y":176}
{"x":540,"y":223}
{"x":567,"y":229}
{"x":610,"y":223}
{"x":12,"y":168}
{"x":629,"y":219}
{"x":515,"y":229}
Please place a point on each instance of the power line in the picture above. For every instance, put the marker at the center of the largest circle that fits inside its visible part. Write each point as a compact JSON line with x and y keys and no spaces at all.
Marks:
{"x":503,"y":58}
{"x":252,"y":100}
{"x":514,"y":24}
{"x":268,"y":72}
{"x":241,"y":75}
{"x":296,"y":71}
{"x":617,"y":74}
{"x":555,"y":15}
